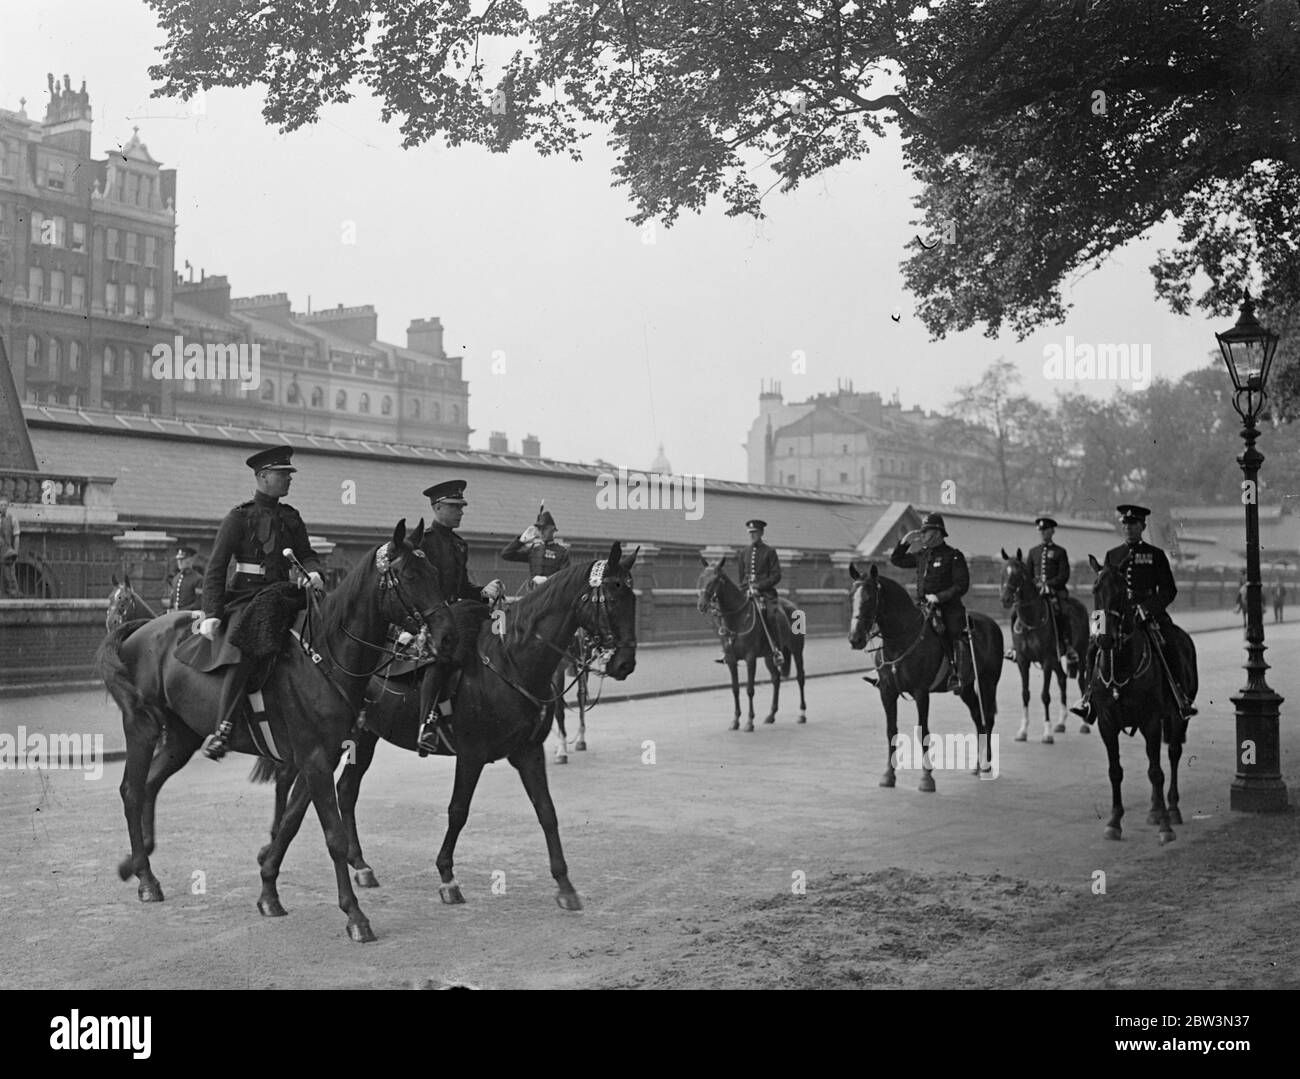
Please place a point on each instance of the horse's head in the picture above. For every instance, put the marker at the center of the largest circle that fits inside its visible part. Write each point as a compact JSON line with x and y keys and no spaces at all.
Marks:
{"x":119,"y":601}
{"x":411,"y":591}
{"x":1015,"y":577}
{"x":866,"y":605}
{"x":607,"y":611}
{"x":709,"y":583}
{"x":1109,"y":602}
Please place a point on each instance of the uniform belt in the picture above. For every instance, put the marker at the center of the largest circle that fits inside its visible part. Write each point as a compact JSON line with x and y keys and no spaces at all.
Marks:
{"x":250,"y":567}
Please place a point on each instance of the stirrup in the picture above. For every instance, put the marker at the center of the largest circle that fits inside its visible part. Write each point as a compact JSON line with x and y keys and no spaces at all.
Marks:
{"x":427,"y":739}
{"x":1082,"y":709}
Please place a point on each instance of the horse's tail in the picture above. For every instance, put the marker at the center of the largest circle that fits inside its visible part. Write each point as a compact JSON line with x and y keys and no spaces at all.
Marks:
{"x":121,"y":686}
{"x":264,"y":771}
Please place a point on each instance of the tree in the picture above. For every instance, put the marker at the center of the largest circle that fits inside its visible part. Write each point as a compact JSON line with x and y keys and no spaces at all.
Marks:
{"x":999,"y":416}
{"x":1047,"y":133}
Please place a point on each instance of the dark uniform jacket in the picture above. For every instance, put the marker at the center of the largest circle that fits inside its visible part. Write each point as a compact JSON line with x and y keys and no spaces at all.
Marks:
{"x":542,"y":559}
{"x":186,"y":590}
{"x":254,"y":534}
{"x":760,"y":566}
{"x":940,"y":571}
{"x":1049,"y":564}
{"x":1148,"y":578}
{"x":449,"y":555}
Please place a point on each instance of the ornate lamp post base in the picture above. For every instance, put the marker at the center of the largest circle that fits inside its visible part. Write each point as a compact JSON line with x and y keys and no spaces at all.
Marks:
{"x":1257,"y":787}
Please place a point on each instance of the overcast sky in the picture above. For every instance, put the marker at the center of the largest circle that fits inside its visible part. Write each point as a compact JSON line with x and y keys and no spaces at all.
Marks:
{"x":611,"y":344}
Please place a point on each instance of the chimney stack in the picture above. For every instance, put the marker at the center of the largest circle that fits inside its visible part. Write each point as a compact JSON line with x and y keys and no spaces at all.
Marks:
{"x":532,"y":446}
{"x":497,"y":442}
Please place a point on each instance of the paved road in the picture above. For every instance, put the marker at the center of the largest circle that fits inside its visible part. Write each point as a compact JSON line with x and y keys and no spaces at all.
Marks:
{"x":717,"y":821}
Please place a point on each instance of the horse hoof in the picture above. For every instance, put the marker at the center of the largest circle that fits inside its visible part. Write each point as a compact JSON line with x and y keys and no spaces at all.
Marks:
{"x":735,"y":725}
{"x":1084,"y":728}
{"x":1048,"y":740}
{"x":803,"y":718}
{"x":887,"y":780}
{"x":580,"y":746}
{"x":271,"y":908}
{"x":450,"y":893}
{"x":770,"y":719}
{"x":561,"y":760}
{"x":1112,"y":832}
{"x":1167,"y":837}
{"x":749,"y":727}
{"x":568,"y":900}
{"x":1060,"y":727}
{"x":150,"y":893}
{"x":366,"y":878}
{"x":361,"y":932}
{"x":1175,"y":817}
{"x":926,"y":785}
{"x":1022,"y":736}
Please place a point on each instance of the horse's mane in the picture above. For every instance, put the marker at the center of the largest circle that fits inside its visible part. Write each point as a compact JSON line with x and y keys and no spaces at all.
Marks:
{"x":892,"y":589}
{"x":336,"y":605}
{"x":543,"y":600}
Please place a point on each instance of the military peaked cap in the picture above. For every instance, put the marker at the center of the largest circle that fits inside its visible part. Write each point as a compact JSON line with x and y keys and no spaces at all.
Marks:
{"x":447,"y":491}
{"x":186,"y":552}
{"x":1045,"y":522}
{"x":276,"y":458}
{"x":755,"y":523}
{"x":1129,"y":513}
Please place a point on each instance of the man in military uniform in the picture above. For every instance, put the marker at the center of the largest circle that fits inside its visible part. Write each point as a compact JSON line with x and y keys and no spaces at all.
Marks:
{"x":260,"y":603}
{"x":1150,"y":589}
{"x":538,"y":547}
{"x":760,"y":573}
{"x":1049,"y":567}
{"x":941,"y":580}
{"x":186,"y":588}
{"x":449,"y":555}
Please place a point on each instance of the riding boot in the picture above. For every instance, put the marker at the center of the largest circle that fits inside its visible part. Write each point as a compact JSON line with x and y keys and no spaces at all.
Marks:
{"x":1084,"y":708}
{"x":232,"y":695}
{"x":954,"y":668}
{"x":431,"y":689}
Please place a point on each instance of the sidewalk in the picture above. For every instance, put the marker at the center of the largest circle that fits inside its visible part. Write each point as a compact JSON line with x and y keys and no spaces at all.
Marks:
{"x":659,"y":672}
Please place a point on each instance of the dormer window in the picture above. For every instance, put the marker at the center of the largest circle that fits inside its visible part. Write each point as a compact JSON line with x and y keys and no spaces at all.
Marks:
{"x":56,"y":174}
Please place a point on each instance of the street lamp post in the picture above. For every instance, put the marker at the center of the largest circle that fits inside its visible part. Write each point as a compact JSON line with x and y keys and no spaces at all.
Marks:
{"x":1257,"y":787}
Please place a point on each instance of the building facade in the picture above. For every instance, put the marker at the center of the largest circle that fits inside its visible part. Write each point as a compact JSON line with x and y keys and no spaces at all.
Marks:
{"x":855,"y":443}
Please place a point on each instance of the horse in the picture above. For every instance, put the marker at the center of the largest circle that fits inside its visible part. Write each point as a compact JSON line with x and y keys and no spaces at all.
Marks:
{"x":1129,"y":690}
{"x":1034,"y":638}
{"x":126,"y":605}
{"x":313,"y":695}
{"x":500,"y":710}
{"x":912,"y":659}
{"x":750,"y":637}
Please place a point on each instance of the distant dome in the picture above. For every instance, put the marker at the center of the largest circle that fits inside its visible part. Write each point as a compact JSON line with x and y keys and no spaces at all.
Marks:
{"x":660,"y":463}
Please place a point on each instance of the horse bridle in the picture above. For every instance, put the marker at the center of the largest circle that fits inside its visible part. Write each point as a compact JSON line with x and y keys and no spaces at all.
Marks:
{"x":716,"y":609}
{"x":1118,"y":638}
{"x":873,"y":629}
{"x":1023,"y":579}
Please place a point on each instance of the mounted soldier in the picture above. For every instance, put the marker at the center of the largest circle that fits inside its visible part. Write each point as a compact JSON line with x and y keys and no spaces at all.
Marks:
{"x":262,"y":602}
{"x":760,"y":573}
{"x":449,"y":554}
{"x":538,"y":547}
{"x":1149,"y":590}
{"x":186,"y":590}
{"x":941,"y":580}
{"x":1049,"y":566}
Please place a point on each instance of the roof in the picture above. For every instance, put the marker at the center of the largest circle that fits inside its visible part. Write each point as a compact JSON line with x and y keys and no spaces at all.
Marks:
{"x":982,"y":533}
{"x":183,"y":312}
{"x":274,"y":331}
{"x":175,"y":471}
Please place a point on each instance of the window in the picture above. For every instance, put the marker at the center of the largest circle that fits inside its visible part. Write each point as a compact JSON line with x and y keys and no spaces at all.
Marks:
{"x":151,"y":251}
{"x":56,"y":287}
{"x":341,"y":400}
{"x":455,"y":413}
{"x":77,"y":297}
{"x":128,"y":366}
{"x":791,"y":479}
{"x":415,"y":408}
{"x":131,"y":189}
{"x":144,"y":366}
{"x":60,"y":238}
{"x":268,"y":390}
{"x":113,"y":251}
{"x":6,"y":158}
{"x":844,"y":448}
{"x":437,"y":411}
{"x":56,"y":173}
{"x":132,"y":247}
{"x":386,"y":406}
{"x":110,"y":296}
{"x":363,"y":405}
{"x":844,"y":477}
{"x":110,"y":361}
{"x":146,"y":190}
{"x":53,"y":354}
{"x":317,"y":397}
{"x":74,"y":358}
{"x":128,"y":304}
{"x":78,"y":236}
{"x":38,"y":235}
{"x":33,"y":350}
{"x":36,"y":284}
{"x":789,"y":451}
{"x":150,"y":302}
{"x":292,"y":394}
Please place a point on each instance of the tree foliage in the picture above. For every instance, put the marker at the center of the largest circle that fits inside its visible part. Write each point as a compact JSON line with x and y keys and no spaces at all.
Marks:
{"x":996,"y":102}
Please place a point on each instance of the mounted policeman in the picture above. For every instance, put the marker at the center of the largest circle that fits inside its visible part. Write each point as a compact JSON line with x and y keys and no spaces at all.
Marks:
{"x":1149,"y":590}
{"x":941,"y":580}
{"x":185,"y":593}
{"x":449,"y":555}
{"x":262,"y":601}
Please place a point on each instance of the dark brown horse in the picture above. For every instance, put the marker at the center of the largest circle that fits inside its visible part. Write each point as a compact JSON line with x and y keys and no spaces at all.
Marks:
{"x":500,"y":710}
{"x":313,"y":696}
{"x":126,"y":605}
{"x":912,"y":660}
{"x":749,"y":635}
{"x":1129,"y":691}
{"x":1034,"y":638}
